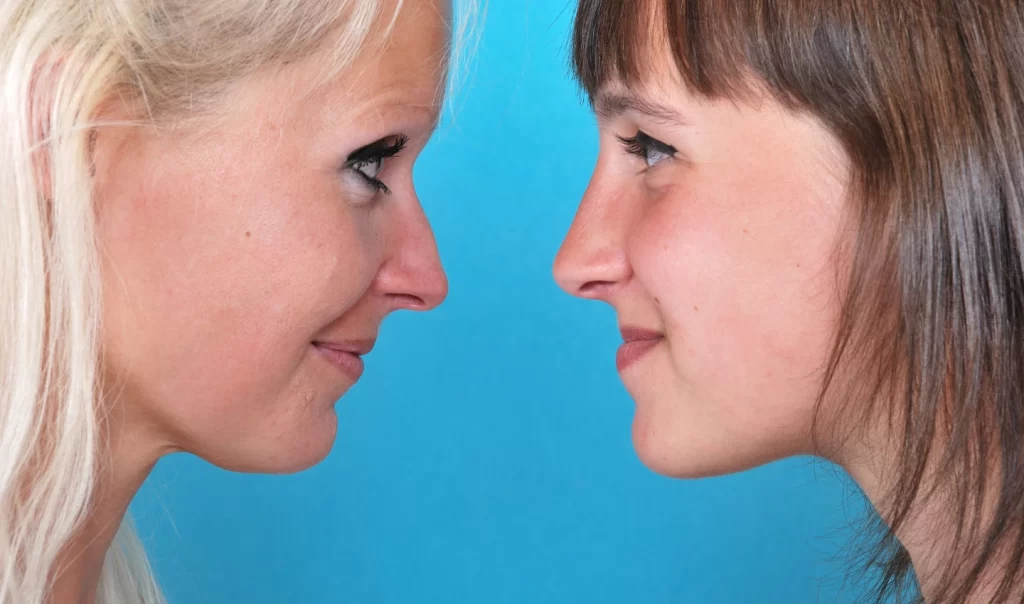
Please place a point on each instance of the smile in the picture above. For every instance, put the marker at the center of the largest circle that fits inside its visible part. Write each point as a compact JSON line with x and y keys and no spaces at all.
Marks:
{"x":636,"y":344}
{"x":345,"y":356}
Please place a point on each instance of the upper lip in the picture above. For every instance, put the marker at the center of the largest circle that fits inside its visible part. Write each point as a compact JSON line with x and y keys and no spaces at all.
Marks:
{"x":639,"y":334}
{"x":356,"y":347}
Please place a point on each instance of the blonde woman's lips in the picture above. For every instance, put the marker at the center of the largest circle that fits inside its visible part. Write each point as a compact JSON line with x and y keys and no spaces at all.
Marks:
{"x":346,"y":356}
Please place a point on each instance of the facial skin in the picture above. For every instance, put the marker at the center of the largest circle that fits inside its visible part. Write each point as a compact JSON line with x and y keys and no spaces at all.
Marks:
{"x":719,"y":250}
{"x":236,"y":251}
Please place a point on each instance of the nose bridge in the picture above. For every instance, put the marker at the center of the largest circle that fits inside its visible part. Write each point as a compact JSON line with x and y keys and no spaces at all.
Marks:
{"x":413,"y":266}
{"x":594,"y":249}
{"x":414,"y":234}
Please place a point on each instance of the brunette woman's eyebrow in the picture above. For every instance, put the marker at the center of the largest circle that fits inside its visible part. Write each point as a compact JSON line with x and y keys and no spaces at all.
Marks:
{"x":610,"y":105}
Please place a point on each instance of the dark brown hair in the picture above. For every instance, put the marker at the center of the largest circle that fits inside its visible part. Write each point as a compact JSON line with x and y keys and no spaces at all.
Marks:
{"x":927,"y":98}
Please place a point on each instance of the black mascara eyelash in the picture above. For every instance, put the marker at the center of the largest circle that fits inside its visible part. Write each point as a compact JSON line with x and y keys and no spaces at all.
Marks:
{"x":375,"y":183}
{"x":381,"y":149}
{"x":376,"y":151}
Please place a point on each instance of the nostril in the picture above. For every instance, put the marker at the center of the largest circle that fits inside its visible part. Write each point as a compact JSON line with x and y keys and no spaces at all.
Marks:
{"x":594,"y":289}
{"x":408,"y":302}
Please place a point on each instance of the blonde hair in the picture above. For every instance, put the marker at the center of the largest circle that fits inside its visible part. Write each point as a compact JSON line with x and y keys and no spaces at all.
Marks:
{"x":60,"y":60}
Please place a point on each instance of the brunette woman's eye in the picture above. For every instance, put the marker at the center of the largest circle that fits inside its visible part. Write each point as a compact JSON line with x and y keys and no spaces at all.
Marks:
{"x":647,"y":148}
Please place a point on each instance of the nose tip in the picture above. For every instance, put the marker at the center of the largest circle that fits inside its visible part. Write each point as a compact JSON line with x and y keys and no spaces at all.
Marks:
{"x":418,"y":288}
{"x":566,"y":272}
{"x":415,"y":280}
{"x":435,"y":289}
{"x":587,"y":269}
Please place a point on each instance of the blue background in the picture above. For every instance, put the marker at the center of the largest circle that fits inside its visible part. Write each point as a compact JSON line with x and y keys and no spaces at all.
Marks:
{"x":486,"y":455}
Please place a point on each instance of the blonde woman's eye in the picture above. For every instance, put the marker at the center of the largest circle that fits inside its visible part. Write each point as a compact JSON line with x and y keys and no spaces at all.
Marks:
{"x":370,"y":168}
{"x":367,"y":162}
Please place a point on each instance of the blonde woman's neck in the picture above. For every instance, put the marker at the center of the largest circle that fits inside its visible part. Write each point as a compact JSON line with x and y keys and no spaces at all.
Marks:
{"x":128,"y":461}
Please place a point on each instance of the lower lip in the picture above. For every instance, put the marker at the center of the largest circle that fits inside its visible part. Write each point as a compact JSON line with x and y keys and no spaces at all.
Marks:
{"x":349,"y":364}
{"x":631,"y":352}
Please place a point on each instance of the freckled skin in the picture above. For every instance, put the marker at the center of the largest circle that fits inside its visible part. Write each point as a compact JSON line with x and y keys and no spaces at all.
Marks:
{"x":230,"y":247}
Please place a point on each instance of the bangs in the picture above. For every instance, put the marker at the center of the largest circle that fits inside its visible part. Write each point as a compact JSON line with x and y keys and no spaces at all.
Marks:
{"x":716,"y":46}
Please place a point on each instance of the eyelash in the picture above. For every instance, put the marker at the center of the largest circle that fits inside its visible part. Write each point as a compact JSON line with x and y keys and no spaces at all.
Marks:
{"x":375,"y":152}
{"x":642,"y":145}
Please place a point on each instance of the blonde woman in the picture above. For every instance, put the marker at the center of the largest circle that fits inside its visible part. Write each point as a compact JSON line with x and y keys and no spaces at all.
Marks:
{"x":206,"y":210}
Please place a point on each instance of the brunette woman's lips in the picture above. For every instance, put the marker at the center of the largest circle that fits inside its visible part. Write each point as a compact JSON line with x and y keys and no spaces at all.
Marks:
{"x":346,"y":356}
{"x":637,"y":342}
